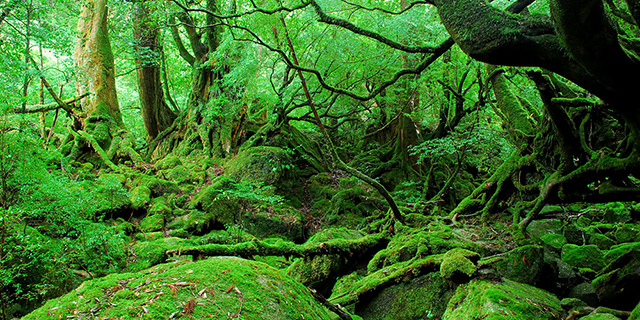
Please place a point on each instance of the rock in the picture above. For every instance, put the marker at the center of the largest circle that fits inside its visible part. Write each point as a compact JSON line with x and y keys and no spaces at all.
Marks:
{"x":152,"y":223}
{"x":618,"y":251}
{"x":168,"y":162}
{"x":320,"y":272}
{"x":139,"y":196}
{"x":218,"y":287}
{"x":626,"y":233}
{"x":603,"y":242}
{"x":584,"y":292}
{"x":554,"y":240}
{"x":539,"y":228}
{"x":420,"y":298}
{"x":482,"y":299}
{"x":587,"y":256}
{"x":259,"y":164}
{"x":523,"y":264}
{"x":458,"y":265}
{"x":285,"y":223}
{"x":618,"y":286}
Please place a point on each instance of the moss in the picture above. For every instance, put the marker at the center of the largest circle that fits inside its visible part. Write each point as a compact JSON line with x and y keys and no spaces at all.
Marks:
{"x":481,"y":299}
{"x":218,"y":287}
{"x":168,"y":162}
{"x":618,"y":251}
{"x":603,"y":242}
{"x":285,"y":223}
{"x":160,"y":206}
{"x":539,"y":228}
{"x":626,"y":233}
{"x":410,"y":243}
{"x":157,"y":186}
{"x":382,"y":278}
{"x":258,"y":164}
{"x":523,"y":264}
{"x":424,"y":297}
{"x":600,"y":316}
{"x":588,"y":256}
{"x":554,"y":240}
{"x":316,"y":271}
{"x":635,"y":314}
{"x":150,"y":253}
{"x":457,"y":265}
{"x":152,"y":223}
{"x":139,"y":196}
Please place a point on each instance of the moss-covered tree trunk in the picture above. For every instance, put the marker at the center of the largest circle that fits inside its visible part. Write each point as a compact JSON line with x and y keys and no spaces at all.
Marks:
{"x":95,"y":71}
{"x":203,"y":125}
{"x":156,"y":114}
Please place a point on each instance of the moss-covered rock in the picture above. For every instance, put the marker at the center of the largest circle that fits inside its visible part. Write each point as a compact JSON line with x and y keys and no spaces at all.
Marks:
{"x":168,"y":162}
{"x":259,"y":164}
{"x":585,"y":292}
{"x":160,"y":206}
{"x":539,"y":228}
{"x":603,"y":242}
{"x":618,"y":286}
{"x":424,"y":297}
{"x":587,"y":256}
{"x":554,"y":240}
{"x":523,"y":264}
{"x":458,"y":265}
{"x":140,"y":197}
{"x":508,"y":300}
{"x":150,"y":253}
{"x":152,"y":223}
{"x":215,"y":288}
{"x":157,"y":186}
{"x":282,"y":222}
{"x":320,"y":272}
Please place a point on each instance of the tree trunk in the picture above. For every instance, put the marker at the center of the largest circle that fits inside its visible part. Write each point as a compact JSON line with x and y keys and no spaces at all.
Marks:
{"x":156,"y":114}
{"x":95,"y":71}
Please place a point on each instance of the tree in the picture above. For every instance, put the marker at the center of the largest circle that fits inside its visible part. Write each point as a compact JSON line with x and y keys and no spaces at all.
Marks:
{"x":582,"y":44}
{"x":93,"y":58}
{"x":156,"y":114}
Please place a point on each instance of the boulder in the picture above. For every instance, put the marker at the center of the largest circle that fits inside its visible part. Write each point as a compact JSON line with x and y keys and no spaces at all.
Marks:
{"x":618,"y":286}
{"x":588,"y":256}
{"x":215,"y":288}
{"x":424,"y":297}
{"x":481,"y":299}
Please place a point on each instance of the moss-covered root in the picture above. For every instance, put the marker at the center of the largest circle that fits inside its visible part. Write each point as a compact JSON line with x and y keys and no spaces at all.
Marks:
{"x":388,"y":276}
{"x":287,"y":248}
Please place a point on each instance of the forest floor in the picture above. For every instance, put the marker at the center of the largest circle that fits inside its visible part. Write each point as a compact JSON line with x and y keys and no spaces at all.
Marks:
{"x":249,"y":238}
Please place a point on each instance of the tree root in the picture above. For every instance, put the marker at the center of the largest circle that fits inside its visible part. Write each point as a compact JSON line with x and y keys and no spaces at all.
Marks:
{"x":388,"y":276}
{"x":286,"y":248}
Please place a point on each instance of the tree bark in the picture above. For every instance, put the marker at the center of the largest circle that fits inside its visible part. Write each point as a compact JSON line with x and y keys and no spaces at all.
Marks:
{"x":156,"y":114}
{"x":95,"y":71}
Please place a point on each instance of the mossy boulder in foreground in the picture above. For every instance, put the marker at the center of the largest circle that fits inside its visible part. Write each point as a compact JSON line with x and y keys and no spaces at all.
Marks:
{"x":216,"y":288}
{"x":507,"y":300}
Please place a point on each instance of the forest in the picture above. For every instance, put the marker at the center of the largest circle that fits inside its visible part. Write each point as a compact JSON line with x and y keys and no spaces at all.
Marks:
{"x":320,"y":159}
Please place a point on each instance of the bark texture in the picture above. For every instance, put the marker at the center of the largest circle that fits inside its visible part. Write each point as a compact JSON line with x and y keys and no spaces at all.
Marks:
{"x":156,"y":114}
{"x":95,"y":71}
